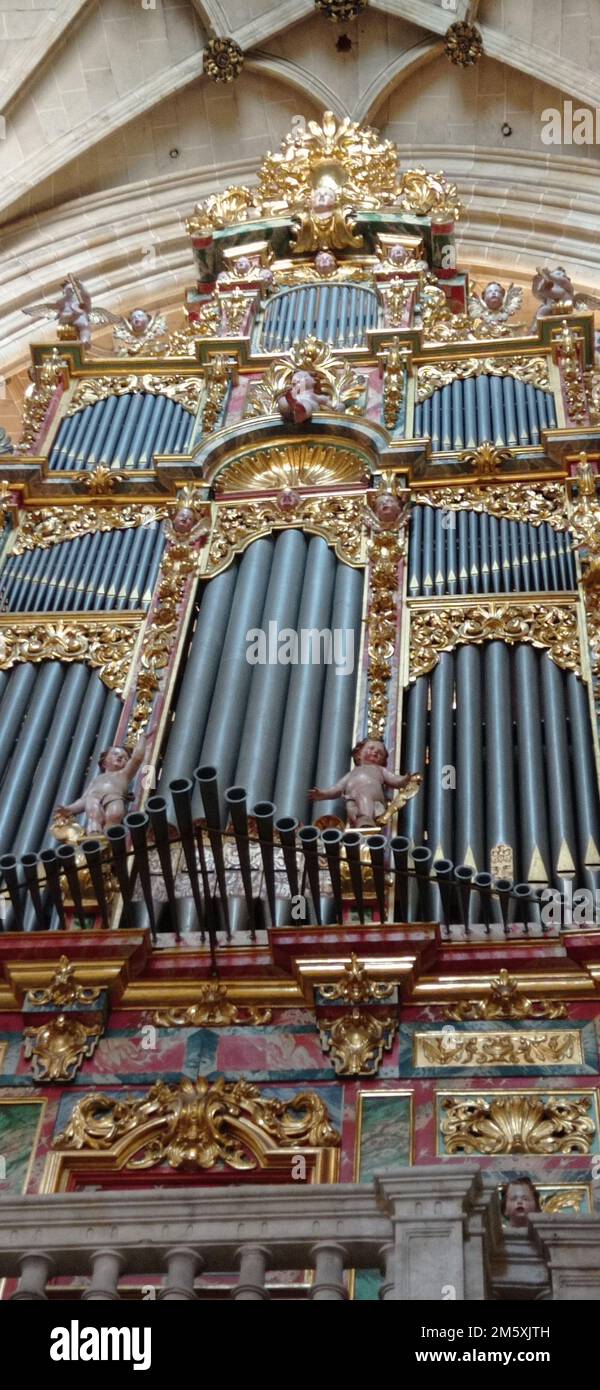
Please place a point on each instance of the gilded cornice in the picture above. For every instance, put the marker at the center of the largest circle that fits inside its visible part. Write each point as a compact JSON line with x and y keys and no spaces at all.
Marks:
{"x":552,"y":626}
{"x":106,"y":642}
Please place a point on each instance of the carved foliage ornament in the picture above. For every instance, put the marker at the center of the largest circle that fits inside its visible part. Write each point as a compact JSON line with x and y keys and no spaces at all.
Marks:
{"x":463,"y":44}
{"x":40,"y":529}
{"x":197,"y":1124}
{"x":516,"y":501}
{"x":356,"y":1041}
{"x":106,"y":648}
{"x":450,"y":1049}
{"x":517,"y":1124}
{"x":355,"y":158}
{"x":356,"y":986}
{"x":59,"y":1047}
{"x":213,"y":1010}
{"x":338,"y":519}
{"x":222,"y":60}
{"x":531,"y":370}
{"x":505,"y":1000}
{"x":63,"y":989}
{"x":334,"y":377}
{"x":186,"y":390}
{"x":46,"y":379}
{"x":340,"y":11}
{"x":438,"y":630}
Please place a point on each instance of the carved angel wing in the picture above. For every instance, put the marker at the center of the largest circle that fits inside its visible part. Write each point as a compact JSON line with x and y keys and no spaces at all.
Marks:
{"x":104,"y":316}
{"x":513,"y":300}
{"x":42,"y":311}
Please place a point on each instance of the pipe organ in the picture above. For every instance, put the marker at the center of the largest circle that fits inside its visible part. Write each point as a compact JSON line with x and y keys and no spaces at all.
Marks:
{"x":299,"y":644}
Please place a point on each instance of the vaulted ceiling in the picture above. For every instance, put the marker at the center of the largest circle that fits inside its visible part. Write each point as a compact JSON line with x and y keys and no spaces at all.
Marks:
{"x":112,"y":132}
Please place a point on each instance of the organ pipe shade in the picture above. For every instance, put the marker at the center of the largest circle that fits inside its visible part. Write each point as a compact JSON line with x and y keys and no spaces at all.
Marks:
{"x":56,"y":718}
{"x":271,"y":728}
{"x":98,"y":572}
{"x":503,"y":739}
{"x":468,"y":552}
{"x":485,"y":409}
{"x":121,"y":432}
{"x":337,"y":314}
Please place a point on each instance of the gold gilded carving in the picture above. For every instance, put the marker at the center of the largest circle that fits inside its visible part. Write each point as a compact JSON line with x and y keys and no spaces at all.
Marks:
{"x":592,"y":389}
{"x":386,"y":550}
{"x":532,"y":370}
{"x":179,"y":564}
{"x":356,"y":986}
{"x":567,"y":347}
{"x":564,"y":1199}
{"x":213,"y":1010}
{"x":429,"y":195}
{"x":102,"y":480}
{"x":335,"y":379}
{"x":441,"y":325}
{"x":332,"y":229}
{"x":59,"y":1047}
{"x":218,"y":373}
{"x":222,"y":60}
{"x":357,"y":1041}
{"x":505,"y":1000}
{"x":39,"y":529}
{"x":450,"y":1049}
{"x":291,"y":466}
{"x":339,"y":520}
{"x":63,"y":989}
{"x":108,"y":649}
{"x":196,"y":1124}
{"x":395,"y":297}
{"x":38,"y":396}
{"x":353,"y":156}
{"x":438,"y":630}
{"x":235,"y":204}
{"x":517,"y":1124}
{"x":463,"y":44}
{"x":517,"y":501}
{"x":487,"y":459}
{"x":393,"y":362}
{"x":185,"y":391}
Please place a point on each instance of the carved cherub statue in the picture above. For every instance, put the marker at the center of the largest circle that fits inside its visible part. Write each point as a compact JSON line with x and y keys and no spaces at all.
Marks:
{"x":495,"y":304}
{"x":302,"y":398}
{"x":135,"y":332}
{"x":554,"y":289}
{"x":364,"y":787}
{"x":72,"y":311}
{"x":105,"y":798}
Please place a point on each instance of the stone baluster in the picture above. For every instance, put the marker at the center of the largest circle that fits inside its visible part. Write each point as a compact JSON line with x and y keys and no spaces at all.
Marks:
{"x":428,"y":1210}
{"x":182,"y":1266}
{"x":329,"y":1271}
{"x":35,"y":1269}
{"x":106,"y":1268}
{"x":253,"y":1264}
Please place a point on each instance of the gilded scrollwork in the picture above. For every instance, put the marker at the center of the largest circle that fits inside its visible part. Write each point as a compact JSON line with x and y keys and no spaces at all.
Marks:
{"x":197,"y":1124}
{"x":47,"y":377}
{"x":39,"y":529}
{"x":107,"y":647}
{"x":515,"y":501}
{"x":344,"y":387}
{"x":340,"y":520}
{"x":214,"y":1009}
{"x":185,"y":391}
{"x":356,"y":1041}
{"x":63,"y":989}
{"x":452,"y":1049}
{"x":218,"y":373}
{"x":504,"y":999}
{"x":59,"y":1047}
{"x":356,"y":985}
{"x":517,"y":1123}
{"x":531,"y":370}
{"x":550,"y":626}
